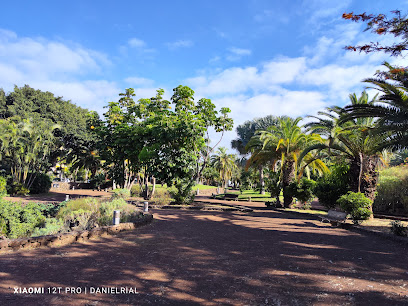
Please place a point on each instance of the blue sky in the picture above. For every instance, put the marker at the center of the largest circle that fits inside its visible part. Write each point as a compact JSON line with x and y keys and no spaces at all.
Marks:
{"x":256,"y":57}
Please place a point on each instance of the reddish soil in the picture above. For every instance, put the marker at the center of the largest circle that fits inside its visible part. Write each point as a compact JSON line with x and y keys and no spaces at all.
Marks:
{"x":229,"y":258}
{"x":56,"y":195}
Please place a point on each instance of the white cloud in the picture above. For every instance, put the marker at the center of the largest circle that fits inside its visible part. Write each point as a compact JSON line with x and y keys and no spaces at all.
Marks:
{"x":138,"y":46}
{"x":179,"y":44}
{"x":64,"y":69}
{"x":136,"y":43}
{"x":236,"y":54}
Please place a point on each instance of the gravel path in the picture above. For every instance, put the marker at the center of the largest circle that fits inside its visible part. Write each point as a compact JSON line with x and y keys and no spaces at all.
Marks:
{"x":211,"y":258}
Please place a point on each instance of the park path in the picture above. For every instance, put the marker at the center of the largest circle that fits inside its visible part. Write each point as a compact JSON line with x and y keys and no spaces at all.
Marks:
{"x":211,"y":258}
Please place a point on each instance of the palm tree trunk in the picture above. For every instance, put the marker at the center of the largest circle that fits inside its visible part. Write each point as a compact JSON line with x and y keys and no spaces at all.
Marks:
{"x":261,"y":180}
{"x":367,"y":176}
{"x":288,"y":174}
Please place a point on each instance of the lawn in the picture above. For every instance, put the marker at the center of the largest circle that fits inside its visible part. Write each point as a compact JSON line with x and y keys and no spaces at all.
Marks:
{"x":254,"y":195}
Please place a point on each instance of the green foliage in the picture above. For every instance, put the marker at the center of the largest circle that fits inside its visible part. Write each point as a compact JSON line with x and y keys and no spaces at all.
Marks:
{"x":182,"y":191}
{"x":87,"y":213}
{"x":3,"y":186}
{"x":50,"y":210}
{"x":392,"y":191}
{"x":397,"y":228}
{"x":272,"y":184}
{"x":162,"y":197}
{"x":356,"y":204}
{"x":303,"y":190}
{"x":16,"y":188}
{"x":146,"y":136}
{"x":51,"y":226}
{"x":18,"y":219}
{"x":136,"y":191}
{"x":331,"y":186}
{"x":120,"y":193}
{"x":41,"y":184}
{"x":97,"y":181}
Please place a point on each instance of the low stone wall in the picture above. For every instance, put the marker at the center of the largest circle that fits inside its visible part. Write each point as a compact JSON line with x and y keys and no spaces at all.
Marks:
{"x":68,"y":186}
{"x":67,"y":238}
{"x":208,"y":192}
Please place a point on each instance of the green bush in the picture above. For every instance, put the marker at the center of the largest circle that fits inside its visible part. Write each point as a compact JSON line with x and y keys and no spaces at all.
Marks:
{"x":16,"y":188}
{"x":42,"y":184}
{"x":273,"y":185}
{"x":397,"y":228}
{"x":136,"y":191}
{"x":392,"y":191}
{"x":18,"y":219}
{"x":356,"y":204}
{"x":97,"y":181}
{"x":51,"y":210}
{"x":303,"y":191}
{"x":120,"y":193}
{"x":51,"y":226}
{"x":330,"y":187}
{"x":162,"y":197}
{"x":182,"y":191}
{"x":3,"y":186}
{"x":86,"y":213}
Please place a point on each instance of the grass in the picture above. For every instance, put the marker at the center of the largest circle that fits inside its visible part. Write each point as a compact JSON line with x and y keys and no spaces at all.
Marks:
{"x":199,"y":186}
{"x":254,"y":195}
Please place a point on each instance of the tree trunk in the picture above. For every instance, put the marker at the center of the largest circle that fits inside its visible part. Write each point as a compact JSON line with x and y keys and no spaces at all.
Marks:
{"x":261,"y":180}
{"x":288,"y":174}
{"x":154,"y":187}
{"x":364,"y":176}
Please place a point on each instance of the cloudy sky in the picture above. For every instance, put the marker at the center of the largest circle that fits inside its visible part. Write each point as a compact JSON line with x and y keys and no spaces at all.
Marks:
{"x":256,"y":57}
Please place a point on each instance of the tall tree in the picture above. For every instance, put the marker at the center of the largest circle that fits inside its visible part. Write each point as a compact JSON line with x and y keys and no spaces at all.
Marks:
{"x":224,"y":163}
{"x":245,"y":132}
{"x":286,"y":142}
{"x":356,"y":140}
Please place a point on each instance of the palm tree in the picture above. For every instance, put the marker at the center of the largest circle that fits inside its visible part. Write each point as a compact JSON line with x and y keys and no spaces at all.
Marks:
{"x":224,"y":163}
{"x":354,"y":139}
{"x":285,"y":142}
{"x":245,"y":133}
{"x":391,"y":112}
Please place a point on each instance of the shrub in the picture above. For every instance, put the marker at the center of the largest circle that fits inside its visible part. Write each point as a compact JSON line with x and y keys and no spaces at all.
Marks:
{"x":16,"y":188}
{"x":392,"y":191}
{"x":330,"y":187}
{"x":41,"y":184}
{"x":162,"y":197}
{"x":356,"y":204}
{"x":51,"y":226}
{"x":3,"y":186}
{"x":51,"y":210}
{"x":303,"y":190}
{"x":397,"y":228}
{"x":182,"y":191}
{"x":273,"y":186}
{"x":136,"y":191}
{"x":120,"y":193}
{"x":97,"y":181}
{"x":86,"y":213}
{"x":19,"y":220}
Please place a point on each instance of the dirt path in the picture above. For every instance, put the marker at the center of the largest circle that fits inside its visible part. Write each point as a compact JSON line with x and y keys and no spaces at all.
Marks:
{"x":229,"y":258}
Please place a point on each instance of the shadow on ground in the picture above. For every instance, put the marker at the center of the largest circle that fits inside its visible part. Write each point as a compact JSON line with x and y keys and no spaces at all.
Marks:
{"x":190,"y":257}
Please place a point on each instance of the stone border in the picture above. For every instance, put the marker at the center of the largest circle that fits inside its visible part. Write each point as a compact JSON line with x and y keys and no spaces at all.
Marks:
{"x":71,"y":237}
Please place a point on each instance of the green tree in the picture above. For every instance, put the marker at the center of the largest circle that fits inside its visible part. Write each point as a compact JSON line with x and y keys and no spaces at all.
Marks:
{"x":286,"y":142}
{"x":224,"y":163}
{"x":242,"y":143}
{"x":25,"y":147}
{"x":356,"y":141}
